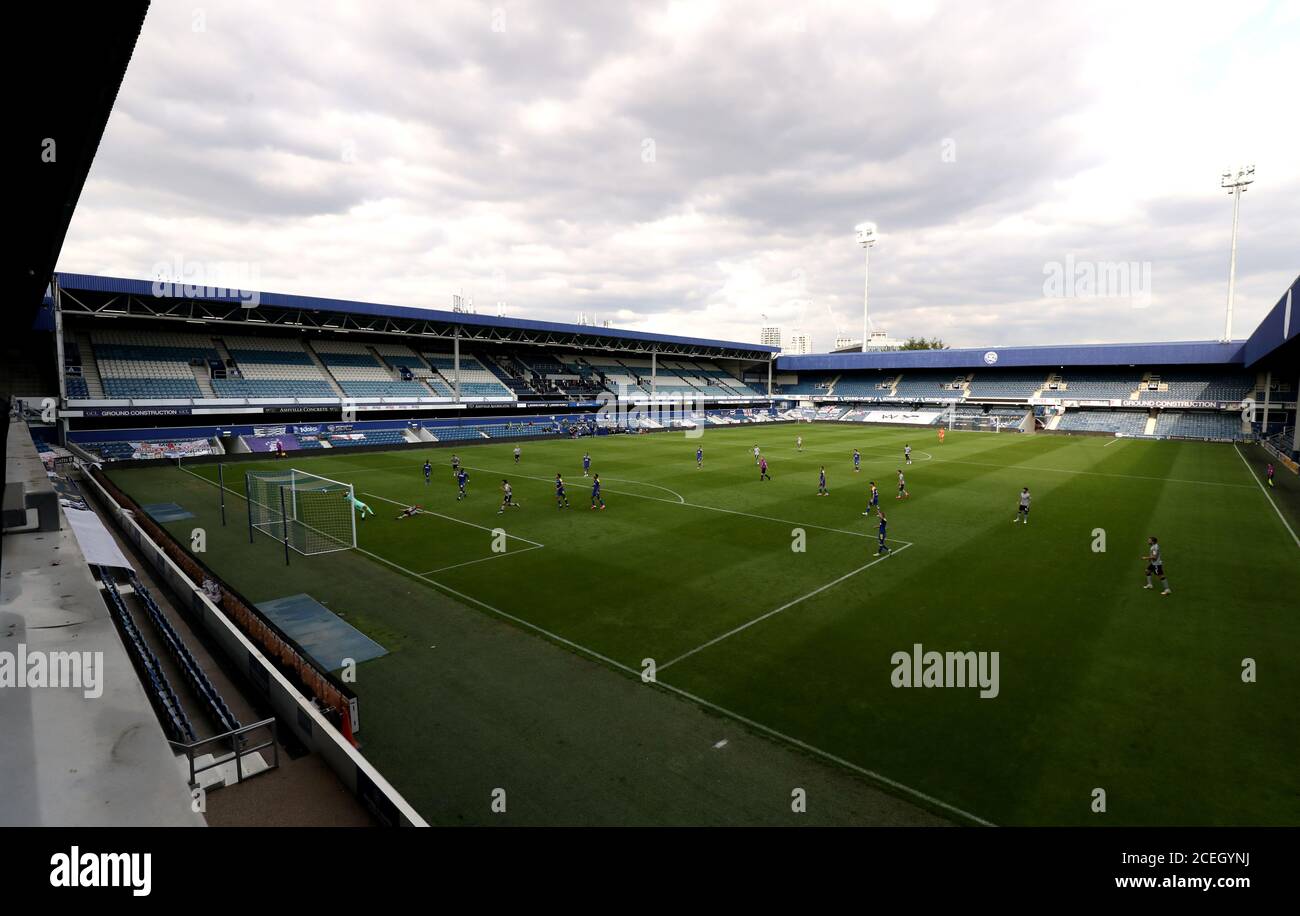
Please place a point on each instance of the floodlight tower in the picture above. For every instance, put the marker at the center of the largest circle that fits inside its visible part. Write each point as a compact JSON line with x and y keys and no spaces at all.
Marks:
{"x":866,"y":238}
{"x":1236,"y":186}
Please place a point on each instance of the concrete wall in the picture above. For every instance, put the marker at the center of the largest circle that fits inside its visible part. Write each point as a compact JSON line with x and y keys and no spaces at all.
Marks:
{"x":292,"y":709}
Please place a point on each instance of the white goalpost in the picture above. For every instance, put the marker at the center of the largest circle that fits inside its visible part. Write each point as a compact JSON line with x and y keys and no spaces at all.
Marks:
{"x":306,"y":512}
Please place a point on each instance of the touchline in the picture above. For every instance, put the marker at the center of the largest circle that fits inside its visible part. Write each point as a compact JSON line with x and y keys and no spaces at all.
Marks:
{"x":103,"y":869}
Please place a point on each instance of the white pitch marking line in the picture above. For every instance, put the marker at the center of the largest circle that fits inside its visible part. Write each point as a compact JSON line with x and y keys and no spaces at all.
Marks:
{"x":452,"y":518}
{"x":1111,"y":442}
{"x":495,"y":556}
{"x":642,"y":483}
{"x":827,"y":755}
{"x":773,"y":613}
{"x":1285,"y":523}
{"x":1026,"y":467}
{"x":660,"y":499}
{"x":757,"y":726}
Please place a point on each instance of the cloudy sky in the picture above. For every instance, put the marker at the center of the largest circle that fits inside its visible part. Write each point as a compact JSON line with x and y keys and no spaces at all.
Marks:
{"x":698,"y":167}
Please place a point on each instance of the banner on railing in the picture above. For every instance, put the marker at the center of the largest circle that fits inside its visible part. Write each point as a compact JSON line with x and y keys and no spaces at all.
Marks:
{"x":188,"y":449}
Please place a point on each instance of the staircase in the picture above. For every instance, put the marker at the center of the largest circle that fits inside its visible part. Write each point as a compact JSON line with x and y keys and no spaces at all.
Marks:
{"x":510,"y":376}
{"x":223,"y":352}
{"x":204,"y":381}
{"x":89,"y":366}
{"x":393,"y":373}
{"x":324,"y":370}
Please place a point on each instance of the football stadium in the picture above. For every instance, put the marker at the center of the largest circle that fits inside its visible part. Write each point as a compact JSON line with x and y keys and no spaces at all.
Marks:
{"x":348,"y":561}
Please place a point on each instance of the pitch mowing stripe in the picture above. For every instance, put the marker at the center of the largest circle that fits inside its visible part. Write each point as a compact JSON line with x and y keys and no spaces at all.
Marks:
{"x":1028,"y":467}
{"x":773,"y":613}
{"x":899,"y":787}
{"x":498,"y":556}
{"x":745,"y":720}
{"x":1280,"y":516}
{"x":452,"y":518}
{"x":673,"y":502}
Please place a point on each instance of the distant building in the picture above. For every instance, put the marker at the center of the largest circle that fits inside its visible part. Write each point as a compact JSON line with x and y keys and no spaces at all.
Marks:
{"x":770,"y":337}
{"x":879,"y":340}
{"x":800,"y":344}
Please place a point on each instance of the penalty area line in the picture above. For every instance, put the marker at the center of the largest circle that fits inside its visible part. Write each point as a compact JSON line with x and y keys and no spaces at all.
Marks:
{"x":872,"y":775}
{"x":452,"y":518}
{"x":772,"y":613}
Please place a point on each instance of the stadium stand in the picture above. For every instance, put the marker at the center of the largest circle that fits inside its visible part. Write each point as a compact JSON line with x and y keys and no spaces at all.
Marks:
{"x":1198,"y":425}
{"x":871,"y":385}
{"x":360,"y":374}
{"x":159,"y":690}
{"x":1005,"y":384}
{"x":180,"y":653}
{"x":475,"y":378}
{"x":616,"y":376}
{"x":1090,"y":384}
{"x":926,"y":385}
{"x":271,"y":367}
{"x":811,"y":384}
{"x":75,"y":385}
{"x":137,"y":364}
{"x":1127,"y":422}
{"x":1195,"y":385}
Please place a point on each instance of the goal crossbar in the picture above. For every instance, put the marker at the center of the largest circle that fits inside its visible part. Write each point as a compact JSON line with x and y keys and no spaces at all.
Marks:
{"x":309,"y":513}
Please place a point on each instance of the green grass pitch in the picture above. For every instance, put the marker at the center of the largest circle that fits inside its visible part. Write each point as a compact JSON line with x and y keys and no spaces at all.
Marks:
{"x":1103,"y":685}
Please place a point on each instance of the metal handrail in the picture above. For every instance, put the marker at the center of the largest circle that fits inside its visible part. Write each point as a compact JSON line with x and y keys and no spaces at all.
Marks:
{"x":238,"y":749}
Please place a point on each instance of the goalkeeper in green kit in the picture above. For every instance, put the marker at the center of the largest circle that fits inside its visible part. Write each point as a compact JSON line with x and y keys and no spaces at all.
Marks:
{"x":359,"y":506}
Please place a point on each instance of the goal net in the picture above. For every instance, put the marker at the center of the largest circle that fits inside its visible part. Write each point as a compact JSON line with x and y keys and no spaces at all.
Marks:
{"x":313,"y":514}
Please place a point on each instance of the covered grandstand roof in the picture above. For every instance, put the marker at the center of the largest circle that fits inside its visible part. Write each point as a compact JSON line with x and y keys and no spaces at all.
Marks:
{"x":59,"y":123}
{"x":1199,"y":352}
{"x":1276,"y":337}
{"x":143,"y":291}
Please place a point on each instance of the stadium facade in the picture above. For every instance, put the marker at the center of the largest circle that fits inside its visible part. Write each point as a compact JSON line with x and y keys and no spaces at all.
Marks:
{"x":151,"y":368}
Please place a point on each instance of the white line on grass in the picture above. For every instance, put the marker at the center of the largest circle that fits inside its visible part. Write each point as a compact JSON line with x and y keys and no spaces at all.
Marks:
{"x":1111,"y":442}
{"x":1054,"y":470}
{"x":773,"y":613}
{"x":642,"y":483}
{"x":894,"y":784}
{"x":757,"y":726}
{"x":496,"y":556}
{"x":1285,"y":523}
{"x":452,"y":518}
{"x":848,"y":453}
{"x":673,"y":502}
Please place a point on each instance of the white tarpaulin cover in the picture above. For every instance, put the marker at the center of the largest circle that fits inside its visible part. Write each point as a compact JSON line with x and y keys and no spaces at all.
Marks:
{"x":96,"y":543}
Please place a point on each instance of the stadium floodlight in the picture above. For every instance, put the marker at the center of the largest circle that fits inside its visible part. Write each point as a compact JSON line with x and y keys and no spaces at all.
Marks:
{"x":866,"y":238}
{"x":1236,"y":186}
